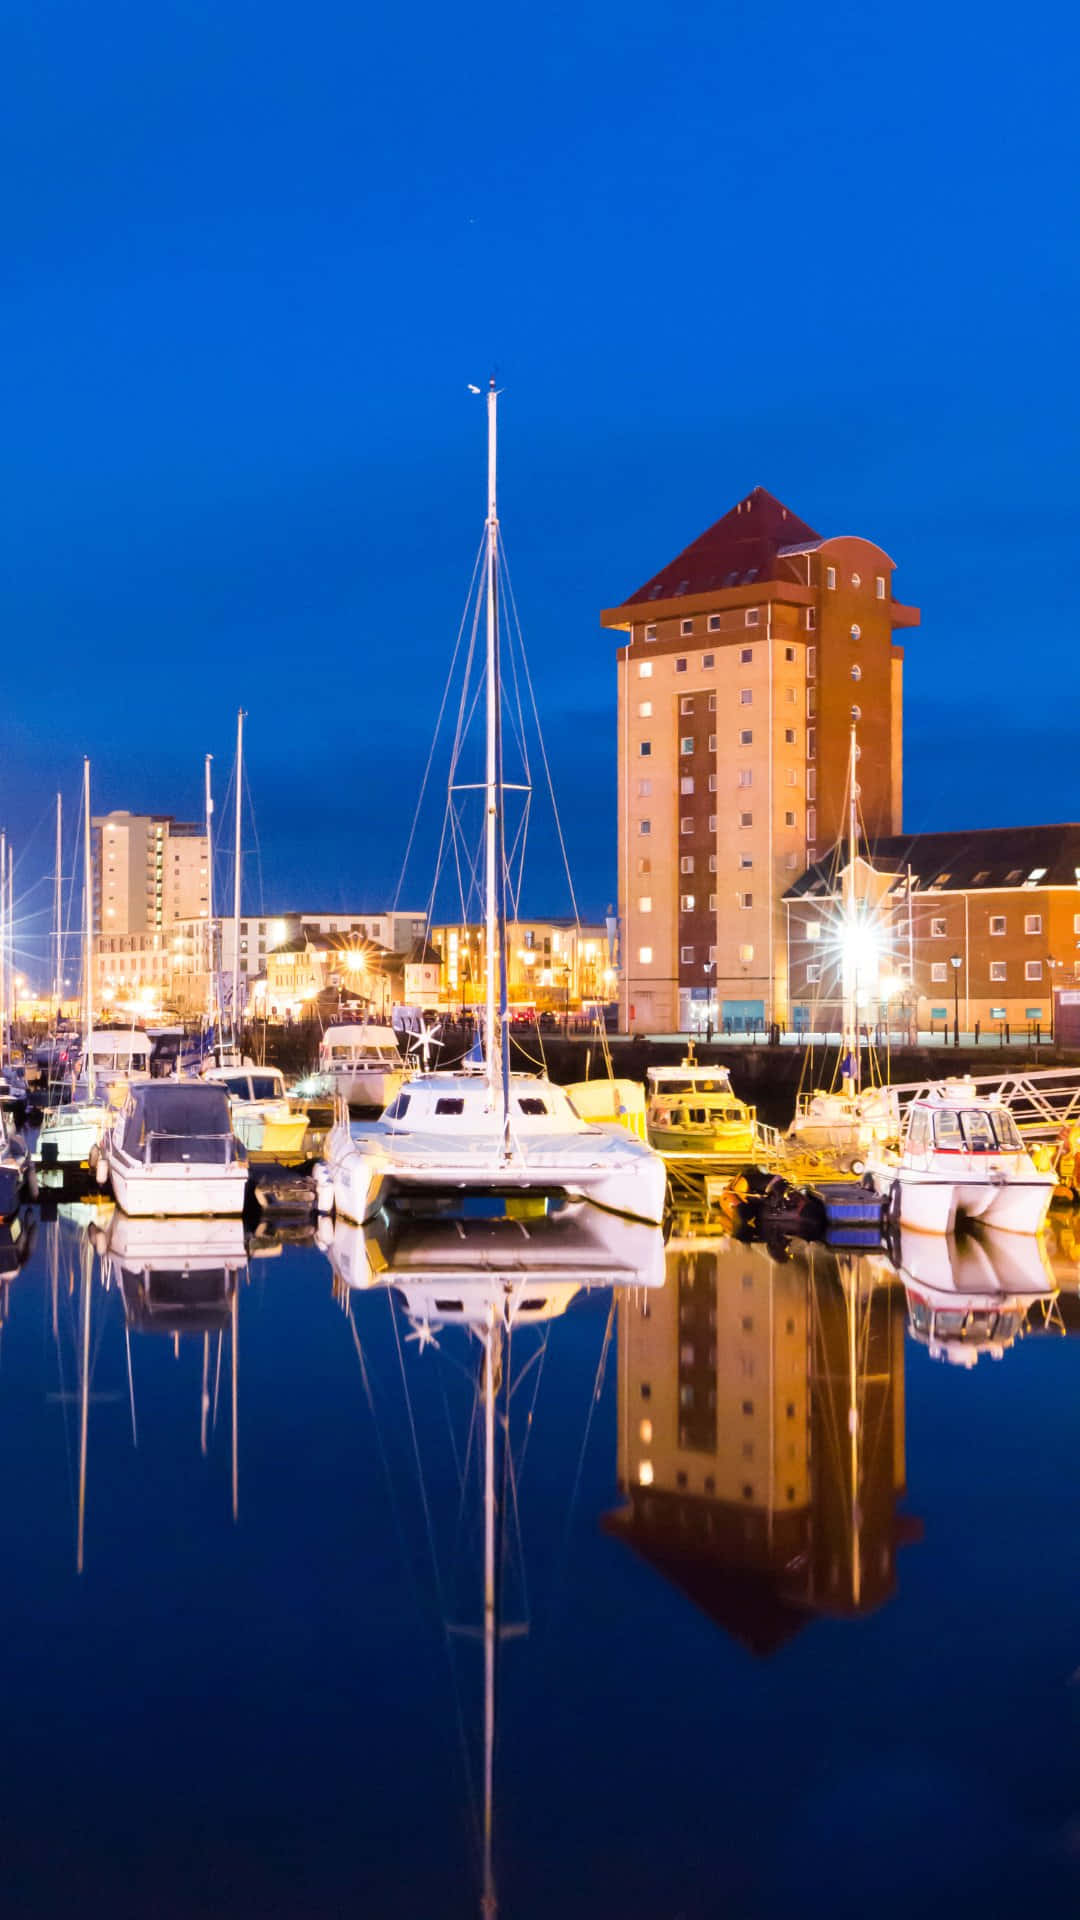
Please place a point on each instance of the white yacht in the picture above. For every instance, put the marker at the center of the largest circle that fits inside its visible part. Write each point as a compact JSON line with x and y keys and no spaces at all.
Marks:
{"x":961,"y":1157}
{"x":483,"y":1129}
{"x":971,"y":1295}
{"x":172,"y":1150}
{"x":361,"y":1064}
{"x":265,"y":1121}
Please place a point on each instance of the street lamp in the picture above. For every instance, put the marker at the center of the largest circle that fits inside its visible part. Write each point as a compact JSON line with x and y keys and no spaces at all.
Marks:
{"x":956,"y":962}
{"x":708,"y":967}
{"x":1051,"y":964}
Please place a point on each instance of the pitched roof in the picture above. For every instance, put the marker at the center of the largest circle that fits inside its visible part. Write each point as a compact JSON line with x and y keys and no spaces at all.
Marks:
{"x":975,"y":857}
{"x":744,"y":546}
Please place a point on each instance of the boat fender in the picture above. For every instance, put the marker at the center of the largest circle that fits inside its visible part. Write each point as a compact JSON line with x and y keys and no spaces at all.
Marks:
{"x":895,"y":1198}
{"x":32,"y":1181}
{"x":100,"y":1166}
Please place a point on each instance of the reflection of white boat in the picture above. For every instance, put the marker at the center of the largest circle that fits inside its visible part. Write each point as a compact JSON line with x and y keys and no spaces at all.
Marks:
{"x":971,"y":1294}
{"x":488,"y":1130}
{"x":961,"y":1154}
{"x":177,"y":1276}
{"x":552,"y":1257}
{"x":361,"y":1064}
{"x":172,"y":1150}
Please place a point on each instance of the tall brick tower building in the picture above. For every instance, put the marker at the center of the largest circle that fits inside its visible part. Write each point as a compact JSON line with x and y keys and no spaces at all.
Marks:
{"x":744,"y":658}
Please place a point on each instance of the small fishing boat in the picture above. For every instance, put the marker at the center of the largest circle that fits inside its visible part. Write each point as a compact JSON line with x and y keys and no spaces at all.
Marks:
{"x":265,"y":1121}
{"x":961,"y":1157}
{"x":971,"y":1295}
{"x":172,"y":1150}
{"x":361,"y":1065}
{"x":691,"y":1109}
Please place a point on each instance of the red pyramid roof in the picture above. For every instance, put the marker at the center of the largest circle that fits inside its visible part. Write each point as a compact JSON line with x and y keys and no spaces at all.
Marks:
{"x":738,"y":549}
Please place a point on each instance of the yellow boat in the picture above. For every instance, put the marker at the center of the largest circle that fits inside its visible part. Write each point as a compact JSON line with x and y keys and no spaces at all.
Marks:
{"x":692,"y":1109}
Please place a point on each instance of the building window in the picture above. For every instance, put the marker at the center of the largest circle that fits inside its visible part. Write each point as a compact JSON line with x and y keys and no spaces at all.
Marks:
{"x":686,"y":903}
{"x":712,"y":905}
{"x":753,"y":616}
{"x":645,"y":710}
{"x":791,"y":860}
{"x":644,"y":955}
{"x":686,"y":626}
{"x":686,"y":704}
{"x":746,"y":778}
{"x":789,"y":819}
{"x":789,"y":736}
{"x":937,"y":929}
{"x":680,"y":664}
{"x":830,"y":578}
{"x":746,"y":737}
{"x":811,"y":702}
{"x":791,"y":777}
{"x":856,"y":672}
{"x":1032,"y":969}
{"x":644,"y":826}
{"x":856,"y":632}
{"x":746,"y":656}
{"x":712,"y":863}
{"x":790,"y":655}
{"x":650,"y":633}
{"x":712,"y":783}
{"x":686,"y":744}
{"x":746,"y":819}
{"x":746,"y":697}
{"x":997,"y":923}
{"x":791,"y":695}
{"x":811,"y":824}
{"x":644,"y":788}
{"x":811,"y":743}
{"x":879,"y":586}
{"x":645,"y":748}
{"x":686,"y":824}
{"x":712,"y":743}
{"x":1033,"y":923}
{"x":643,"y":866}
{"x":686,"y":863}
{"x":745,"y":860}
{"x":939,"y":971}
{"x":708,"y":661}
{"x":746,"y":954}
{"x":644,"y":670}
{"x":1076,"y":922}
{"x":712,"y":703}
{"x":813,"y":975}
{"x":811,"y":662}
{"x":686,"y":956}
{"x":686,"y":784}
{"x":645,"y":903}
{"x":745,"y":900}
{"x":809,"y":619}
{"x":715,"y":623}
{"x":998,"y":970}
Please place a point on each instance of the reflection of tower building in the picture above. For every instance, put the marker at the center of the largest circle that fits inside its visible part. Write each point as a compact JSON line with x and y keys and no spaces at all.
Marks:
{"x":761,"y":1434}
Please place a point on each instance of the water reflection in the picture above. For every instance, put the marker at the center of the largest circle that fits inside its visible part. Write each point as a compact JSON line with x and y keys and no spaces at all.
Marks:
{"x":761,"y":1433}
{"x":972,"y":1294}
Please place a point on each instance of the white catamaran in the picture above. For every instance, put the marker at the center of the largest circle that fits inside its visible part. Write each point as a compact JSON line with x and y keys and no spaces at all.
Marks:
{"x":483,"y":1129}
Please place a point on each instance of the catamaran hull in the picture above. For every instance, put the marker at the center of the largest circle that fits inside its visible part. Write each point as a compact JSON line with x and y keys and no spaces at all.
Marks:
{"x":932,"y":1206}
{"x":181,"y":1191}
{"x":365,"y":1181}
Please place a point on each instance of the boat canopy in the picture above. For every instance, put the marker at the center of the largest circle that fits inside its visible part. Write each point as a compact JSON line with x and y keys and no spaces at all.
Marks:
{"x":182,"y":1110}
{"x":119,"y":1045}
{"x":343,"y":1043}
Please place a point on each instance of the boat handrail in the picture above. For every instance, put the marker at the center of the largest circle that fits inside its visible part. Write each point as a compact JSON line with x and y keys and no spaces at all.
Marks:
{"x":1041,"y":1100}
{"x":152,"y":1156}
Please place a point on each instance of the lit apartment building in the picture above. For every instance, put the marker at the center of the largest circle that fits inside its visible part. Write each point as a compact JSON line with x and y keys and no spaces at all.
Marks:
{"x":149,"y":871}
{"x":553,"y":964}
{"x":965,"y":928}
{"x":744,"y":659}
{"x":760,"y":1474}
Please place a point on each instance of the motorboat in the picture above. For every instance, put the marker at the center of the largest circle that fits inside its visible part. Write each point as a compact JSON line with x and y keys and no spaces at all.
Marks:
{"x":69,"y":1140}
{"x":691,"y":1108}
{"x":481,"y":1129}
{"x":114,"y":1057}
{"x":846,"y":1126}
{"x":266,"y":1122}
{"x":361,"y":1064}
{"x":971,"y":1295}
{"x":172,"y":1150}
{"x":961,"y":1157}
{"x":18,"y":1181}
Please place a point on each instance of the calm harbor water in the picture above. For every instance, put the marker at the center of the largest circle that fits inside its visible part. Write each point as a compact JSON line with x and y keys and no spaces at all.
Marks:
{"x":787,"y":1610}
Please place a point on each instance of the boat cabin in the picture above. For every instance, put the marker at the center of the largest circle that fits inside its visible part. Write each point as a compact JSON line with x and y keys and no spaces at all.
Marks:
{"x":959,"y":1123}
{"x":344,"y":1048}
{"x":249,"y":1083}
{"x":115,"y":1051}
{"x":172,"y":1122}
{"x":459,"y":1104}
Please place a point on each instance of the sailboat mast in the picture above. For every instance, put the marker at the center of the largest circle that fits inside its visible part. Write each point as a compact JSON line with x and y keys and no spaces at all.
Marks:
{"x":492,"y":796}
{"x":209,"y":811}
{"x":88,"y":927}
{"x":58,"y":908}
{"x":236,"y":877}
{"x":11,"y":941}
{"x":3,"y":948}
{"x":851,"y":1011}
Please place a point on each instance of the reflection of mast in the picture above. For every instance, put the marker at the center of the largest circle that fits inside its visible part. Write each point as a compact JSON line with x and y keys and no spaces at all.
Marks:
{"x":86,"y":1262}
{"x":488,"y":1904}
{"x":235,"y":1383}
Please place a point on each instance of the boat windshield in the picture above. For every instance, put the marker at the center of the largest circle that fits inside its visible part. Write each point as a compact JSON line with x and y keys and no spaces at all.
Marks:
{"x":264,"y":1086}
{"x":947,"y":1129}
{"x":979,"y":1135}
{"x":1006,"y":1130}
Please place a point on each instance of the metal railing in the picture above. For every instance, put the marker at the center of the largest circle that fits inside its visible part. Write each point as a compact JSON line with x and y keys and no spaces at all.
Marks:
{"x":1041,"y":1101}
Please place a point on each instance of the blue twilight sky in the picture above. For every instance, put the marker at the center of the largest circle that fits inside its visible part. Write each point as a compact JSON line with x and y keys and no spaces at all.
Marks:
{"x":253,"y":254}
